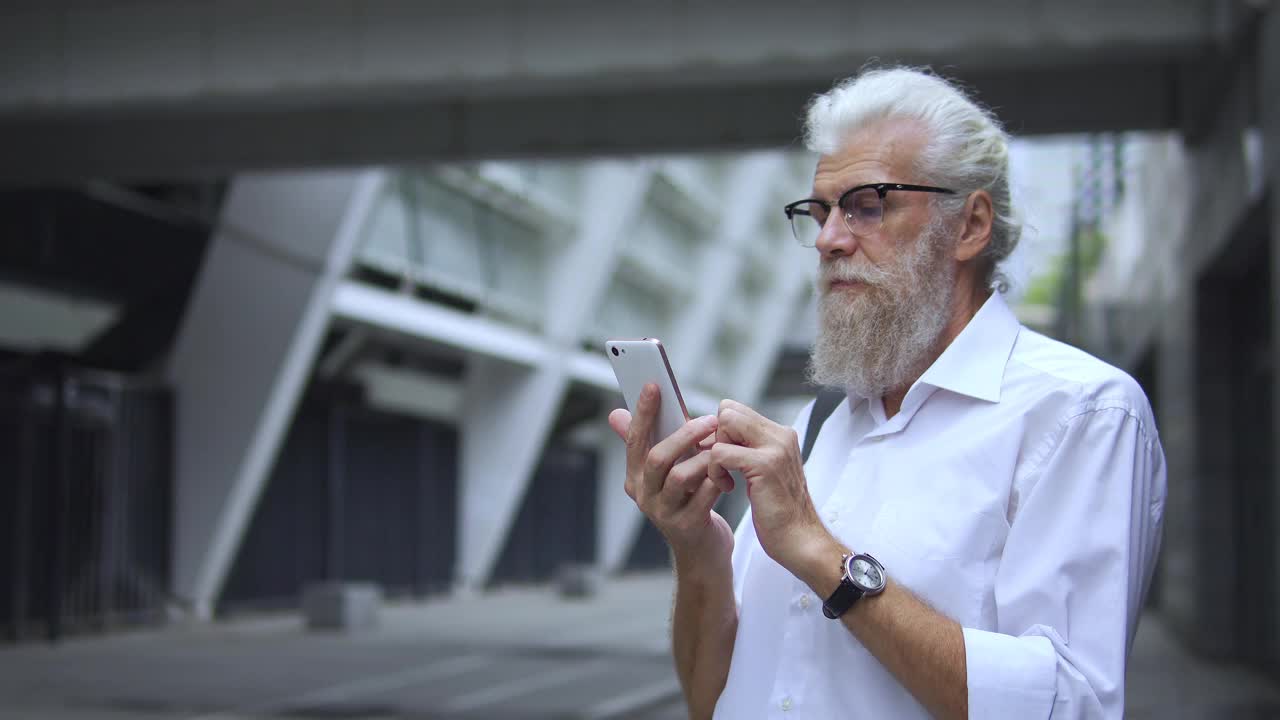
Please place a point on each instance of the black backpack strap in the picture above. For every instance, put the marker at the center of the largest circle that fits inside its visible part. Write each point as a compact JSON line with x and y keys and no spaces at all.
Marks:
{"x":823,"y":406}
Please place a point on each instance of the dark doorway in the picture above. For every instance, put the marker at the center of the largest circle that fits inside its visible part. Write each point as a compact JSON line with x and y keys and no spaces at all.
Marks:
{"x":356,"y":494}
{"x":556,"y":524}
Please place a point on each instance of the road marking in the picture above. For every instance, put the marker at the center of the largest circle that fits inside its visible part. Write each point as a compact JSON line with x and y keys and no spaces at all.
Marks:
{"x":435,"y":670}
{"x":527,"y":684}
{"x":588,"y":634}
{"x":638,"y":699}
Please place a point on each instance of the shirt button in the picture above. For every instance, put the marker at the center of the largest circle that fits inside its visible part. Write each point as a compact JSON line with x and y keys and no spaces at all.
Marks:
{"x":804,"y":602}
{"x":785,"y":704}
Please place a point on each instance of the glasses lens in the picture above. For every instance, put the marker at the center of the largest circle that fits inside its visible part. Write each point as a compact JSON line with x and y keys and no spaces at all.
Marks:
{"x":863,"y":211}
{"x":806,"y":222}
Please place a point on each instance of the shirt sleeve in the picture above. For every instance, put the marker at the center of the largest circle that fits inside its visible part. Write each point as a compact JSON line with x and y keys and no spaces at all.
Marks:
{"x":1076,"y":566}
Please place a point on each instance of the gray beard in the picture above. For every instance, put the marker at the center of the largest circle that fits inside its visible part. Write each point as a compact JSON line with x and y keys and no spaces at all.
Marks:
{"x":882,"y":337}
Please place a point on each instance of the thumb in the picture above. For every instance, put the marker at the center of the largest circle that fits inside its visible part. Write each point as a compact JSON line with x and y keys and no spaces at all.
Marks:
{"x":620,"y":421}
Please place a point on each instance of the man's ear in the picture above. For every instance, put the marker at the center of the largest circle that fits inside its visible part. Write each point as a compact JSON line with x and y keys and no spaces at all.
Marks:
{"x":975,"y":233}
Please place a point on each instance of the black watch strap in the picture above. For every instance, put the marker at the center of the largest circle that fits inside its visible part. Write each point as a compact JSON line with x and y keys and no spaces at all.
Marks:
{"x":842,"y":599}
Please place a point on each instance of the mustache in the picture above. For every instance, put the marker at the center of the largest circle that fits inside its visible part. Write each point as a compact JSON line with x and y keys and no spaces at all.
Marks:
{"x":844,"y":269}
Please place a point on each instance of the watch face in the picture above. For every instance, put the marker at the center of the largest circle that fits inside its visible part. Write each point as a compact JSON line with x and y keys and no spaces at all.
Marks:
{"x":866,"y":573}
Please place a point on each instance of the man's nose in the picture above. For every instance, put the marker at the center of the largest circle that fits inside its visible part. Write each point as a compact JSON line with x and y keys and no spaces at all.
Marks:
{"x":835,"y":240}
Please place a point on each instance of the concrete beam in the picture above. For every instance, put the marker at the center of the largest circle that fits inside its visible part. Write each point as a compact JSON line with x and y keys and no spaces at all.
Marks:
{"x":141,"y":144}
{"x":410,"y":317}
{"x":119,"y":90}
{"x":419,"y":320}
{"x":77,"y":55}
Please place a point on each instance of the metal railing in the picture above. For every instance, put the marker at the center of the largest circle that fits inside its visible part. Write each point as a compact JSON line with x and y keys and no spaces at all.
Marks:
{"x":85,"y":472}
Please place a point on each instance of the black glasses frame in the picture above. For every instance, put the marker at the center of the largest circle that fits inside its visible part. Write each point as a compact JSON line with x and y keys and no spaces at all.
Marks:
{"x":881,"y":189}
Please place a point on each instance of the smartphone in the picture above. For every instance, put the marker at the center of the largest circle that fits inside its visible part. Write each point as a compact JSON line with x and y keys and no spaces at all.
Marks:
{"x":637,"y":363}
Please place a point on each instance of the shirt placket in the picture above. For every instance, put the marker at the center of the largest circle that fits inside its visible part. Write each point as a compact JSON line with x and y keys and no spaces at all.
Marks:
{"x":796,"y":659}
{"x":802,"y":622}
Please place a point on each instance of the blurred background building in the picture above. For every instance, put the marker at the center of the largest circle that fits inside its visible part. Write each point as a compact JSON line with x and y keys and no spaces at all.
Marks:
{"x":306,"y":292}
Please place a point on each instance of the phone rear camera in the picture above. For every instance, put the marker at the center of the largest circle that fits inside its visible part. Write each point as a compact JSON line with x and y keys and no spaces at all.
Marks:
{"x":615,"y":352}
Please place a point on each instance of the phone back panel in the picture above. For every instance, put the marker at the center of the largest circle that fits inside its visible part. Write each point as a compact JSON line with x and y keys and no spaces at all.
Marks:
{"x":639,"y":362}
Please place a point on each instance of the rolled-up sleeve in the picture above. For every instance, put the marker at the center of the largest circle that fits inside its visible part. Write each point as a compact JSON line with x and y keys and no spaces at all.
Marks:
{"x":1077,"y":562}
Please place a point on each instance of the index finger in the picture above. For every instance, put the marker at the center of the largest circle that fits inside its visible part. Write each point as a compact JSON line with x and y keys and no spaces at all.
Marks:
{"x":687,"y":440}
{"x":680,"y":443}
{"x":740,"y":425}
{"x":640,"y":434}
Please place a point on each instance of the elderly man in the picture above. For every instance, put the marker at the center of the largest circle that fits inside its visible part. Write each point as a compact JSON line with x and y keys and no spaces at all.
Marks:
{"x":976,"y":527}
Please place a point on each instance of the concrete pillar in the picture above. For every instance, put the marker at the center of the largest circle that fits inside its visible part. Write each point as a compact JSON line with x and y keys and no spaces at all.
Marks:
{"x":1180,"y":552}
{"x":1268,"y":96}
{"x":508,"y":413}
{"x":242,"y":357}
{"x":1215,"y":488}
{"x":1195,"y":386}
{"x":618,"y":520}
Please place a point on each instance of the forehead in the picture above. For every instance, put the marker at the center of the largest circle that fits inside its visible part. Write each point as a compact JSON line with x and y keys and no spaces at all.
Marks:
{"x":882,"y":151}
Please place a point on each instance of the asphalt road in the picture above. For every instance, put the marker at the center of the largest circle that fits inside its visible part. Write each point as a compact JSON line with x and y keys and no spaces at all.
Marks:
{"x":521,"y":653}
{"x":512,"y":654}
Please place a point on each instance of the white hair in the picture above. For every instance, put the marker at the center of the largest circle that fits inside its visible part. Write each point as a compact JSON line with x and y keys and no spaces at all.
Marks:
{"x":967,"y":149}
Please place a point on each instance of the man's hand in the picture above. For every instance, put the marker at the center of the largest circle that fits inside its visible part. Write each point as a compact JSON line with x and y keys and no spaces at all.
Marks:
{"x":670,"y":485}
{"x":768,"y":455}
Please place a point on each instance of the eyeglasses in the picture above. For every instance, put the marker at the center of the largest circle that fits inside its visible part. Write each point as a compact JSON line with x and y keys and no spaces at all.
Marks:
{"x":862,"y":207}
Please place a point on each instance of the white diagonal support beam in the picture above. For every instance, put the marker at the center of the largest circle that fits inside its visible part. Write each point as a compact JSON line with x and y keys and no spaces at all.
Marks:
{"x":510,"y":411}
{"x":583,"y":276}
{"x":788,"y":295}
{"x":618,"y":520}
{"x":613,"y":192}
{"x":751,"y":183}
{"x":254,"y":323}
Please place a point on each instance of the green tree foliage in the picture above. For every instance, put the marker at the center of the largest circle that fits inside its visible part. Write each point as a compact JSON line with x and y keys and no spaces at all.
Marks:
{"x":1046,"y":287}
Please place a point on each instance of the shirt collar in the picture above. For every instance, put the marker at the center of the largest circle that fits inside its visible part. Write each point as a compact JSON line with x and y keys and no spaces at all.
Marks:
{"x":973,"y":364}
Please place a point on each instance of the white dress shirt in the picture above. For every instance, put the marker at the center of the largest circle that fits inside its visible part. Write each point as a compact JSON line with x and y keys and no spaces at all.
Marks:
{"x":1019,"y":491}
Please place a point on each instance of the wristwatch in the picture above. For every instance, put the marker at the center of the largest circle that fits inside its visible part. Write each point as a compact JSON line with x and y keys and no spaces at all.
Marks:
{"x":863,"y":575}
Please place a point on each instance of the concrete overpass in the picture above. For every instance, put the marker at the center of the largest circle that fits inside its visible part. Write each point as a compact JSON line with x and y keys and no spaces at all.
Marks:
{"x":158,"y":89}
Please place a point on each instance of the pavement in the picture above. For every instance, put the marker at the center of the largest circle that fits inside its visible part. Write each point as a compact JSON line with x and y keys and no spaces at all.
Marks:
{"x":1166,"y":681}
{"x":514,"y":653}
